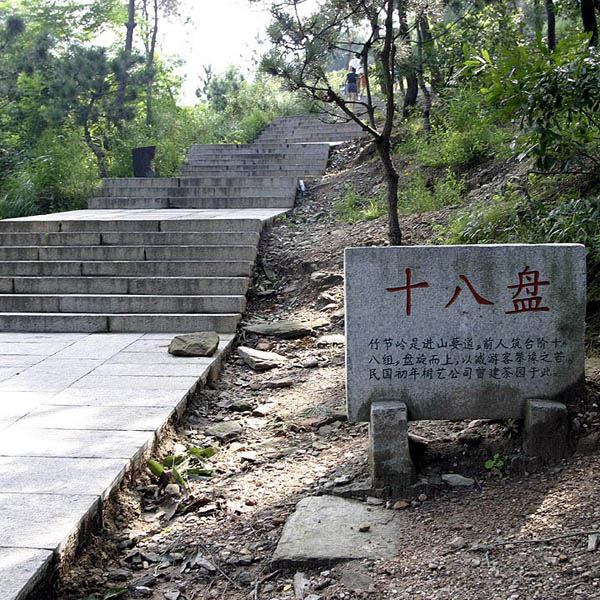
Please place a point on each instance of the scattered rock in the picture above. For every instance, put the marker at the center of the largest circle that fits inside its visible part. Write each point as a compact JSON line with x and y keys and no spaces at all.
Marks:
{"x":225,"y":430}
{"x":261,"y":361}
{"x":355,"y":576}
{"x":334,"y":339}
{"x":286,"y":330}
{"x":325,"y":529}
{"x":202,"y":343}
{"x":263,"y":410}
{"x":249,"y":456}
{"x":172,"y":490}
{"x":455,"y":480}
{"x":241,"y":405}
{"x":401,"y":505}
{"x":172,"y":595}
{"x":274,"y":384}
{"x":301,"y":584}
{"x":363,"y":527}
{"x":201,"y":562}
{"x":118,"y":575}
{"x":371,"y":501}
{"x":310,"y":363}
{"x":593,"y":541}
{"x":322,"y":279}
{"x":457,"y":543}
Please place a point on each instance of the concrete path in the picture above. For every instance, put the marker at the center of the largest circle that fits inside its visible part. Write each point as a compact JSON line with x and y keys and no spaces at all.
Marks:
{"x":75,"y":410}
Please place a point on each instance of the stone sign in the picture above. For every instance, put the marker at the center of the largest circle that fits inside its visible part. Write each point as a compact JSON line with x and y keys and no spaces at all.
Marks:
{"x":459,"y":332}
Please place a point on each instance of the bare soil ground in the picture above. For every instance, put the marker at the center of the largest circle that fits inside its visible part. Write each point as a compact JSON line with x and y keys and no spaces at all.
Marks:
{"x":515,"y":535}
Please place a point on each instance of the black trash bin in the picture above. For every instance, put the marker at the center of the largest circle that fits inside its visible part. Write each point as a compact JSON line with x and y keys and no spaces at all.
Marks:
{"x":142,"y":161}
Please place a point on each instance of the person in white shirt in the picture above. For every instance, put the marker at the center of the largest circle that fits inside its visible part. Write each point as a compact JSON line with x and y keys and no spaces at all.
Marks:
{"x":356,"y":63}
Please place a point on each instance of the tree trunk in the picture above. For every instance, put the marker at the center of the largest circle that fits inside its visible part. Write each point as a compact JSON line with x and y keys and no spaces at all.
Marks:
{"x":412,"y":85}
{"x":427,"y":41}
{"x":391,"y":181}
{"x":422,"y":84}
{"x":122,"y":88}
{"x":590,"y":24}
{"x":412,"y":90}
{"x":97,"y":150}
{"x":551,"y":17}
{"x":150,"y":66}
{"x":537,"y":19}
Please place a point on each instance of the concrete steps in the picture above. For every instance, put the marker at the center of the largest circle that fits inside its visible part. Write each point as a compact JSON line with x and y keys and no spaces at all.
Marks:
{"x":168,"y":254}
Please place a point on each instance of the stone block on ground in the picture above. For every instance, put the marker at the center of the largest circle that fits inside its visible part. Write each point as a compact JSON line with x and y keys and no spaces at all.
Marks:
{"x":227,"y":430}
{"x":283,"y":329}
{"x":325,"y":530}
{"x":389,"y":453}
{"x":546,"y":429}
{"x":259,"y":360}
{"x":203,"y":343}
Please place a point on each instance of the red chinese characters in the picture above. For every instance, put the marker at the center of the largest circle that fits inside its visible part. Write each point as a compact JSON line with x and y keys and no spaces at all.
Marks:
{"x":408,"y":287}
{"x":526,"y":297}
{"x":458,"y":290}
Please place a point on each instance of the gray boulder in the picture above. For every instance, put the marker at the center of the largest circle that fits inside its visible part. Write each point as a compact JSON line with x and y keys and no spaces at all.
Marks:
{"x":203,"y":343}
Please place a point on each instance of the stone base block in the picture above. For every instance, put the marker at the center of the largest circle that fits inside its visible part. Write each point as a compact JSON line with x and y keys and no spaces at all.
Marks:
{"x":389,"y":456}
{"x":546,"y":430}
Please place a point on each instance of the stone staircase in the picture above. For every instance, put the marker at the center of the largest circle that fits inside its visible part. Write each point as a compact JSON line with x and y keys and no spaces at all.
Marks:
{"x":306,"y":128}
{"x":160,"y":254}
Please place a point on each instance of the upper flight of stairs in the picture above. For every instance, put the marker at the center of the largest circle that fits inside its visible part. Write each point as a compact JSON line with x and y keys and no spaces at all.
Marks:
{"x":308,"y":129}
{"x":160,"y":254}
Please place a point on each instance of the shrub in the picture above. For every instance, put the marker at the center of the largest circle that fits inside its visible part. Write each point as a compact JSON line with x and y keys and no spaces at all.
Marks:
{"x":353,"y":208}
{"x":418,"y":194}
{"x":464,"y":133}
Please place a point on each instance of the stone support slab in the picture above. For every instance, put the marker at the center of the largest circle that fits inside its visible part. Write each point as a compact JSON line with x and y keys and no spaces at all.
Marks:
{"x":389,"y":456}
{"x":546,"y":430}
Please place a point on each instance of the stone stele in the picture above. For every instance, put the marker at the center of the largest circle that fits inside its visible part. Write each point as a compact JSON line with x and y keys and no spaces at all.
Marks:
{"x":459,"y":332}
{"x":203,"y":343}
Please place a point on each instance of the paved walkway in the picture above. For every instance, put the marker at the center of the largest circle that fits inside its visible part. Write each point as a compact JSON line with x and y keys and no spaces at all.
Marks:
{"x":74,"y":409}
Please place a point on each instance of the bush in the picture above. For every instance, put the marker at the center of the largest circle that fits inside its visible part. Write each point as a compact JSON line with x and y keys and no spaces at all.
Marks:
{"x":464,"y":133}
{"x":60,"y":175}
{"x":353,"y":208}
{"x":417,"y":193}
{"x":516,"y":218}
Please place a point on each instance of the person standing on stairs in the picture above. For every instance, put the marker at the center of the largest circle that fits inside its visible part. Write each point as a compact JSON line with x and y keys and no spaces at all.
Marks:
{"x":351,"y":85}
{"x":357,"y":64}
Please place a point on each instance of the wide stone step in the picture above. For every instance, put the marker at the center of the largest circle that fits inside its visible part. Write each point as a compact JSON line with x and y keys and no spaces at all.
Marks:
{"x":134,"y":225}
{"x":117,"y":304}
{"x":216,"y":238}
{"x":134,"y":253}
{"x":190,"y":202}
{"x":92,"y":323}
{"x":202,"y":192}
{"x":283,"y":202}
{"x":327,"y":137}
{"x":292,"y":161}
{"x":171,"y":268}
{"x":300,"y":171}
{"x":220,"y":238}
{"x":318,"y":151}
{"x":174,"y":286}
